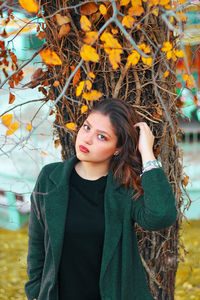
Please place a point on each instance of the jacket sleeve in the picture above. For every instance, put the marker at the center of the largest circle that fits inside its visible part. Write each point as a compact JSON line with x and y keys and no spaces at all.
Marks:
{"x":156,"y":208}
{"x":36,"y":254}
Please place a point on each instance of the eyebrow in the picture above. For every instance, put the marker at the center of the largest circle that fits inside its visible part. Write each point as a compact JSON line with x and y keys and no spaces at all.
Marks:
{"x":98,"y":129}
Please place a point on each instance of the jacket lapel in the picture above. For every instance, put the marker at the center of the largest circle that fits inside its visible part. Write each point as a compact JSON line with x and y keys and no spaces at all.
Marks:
{"x":56,"y":203}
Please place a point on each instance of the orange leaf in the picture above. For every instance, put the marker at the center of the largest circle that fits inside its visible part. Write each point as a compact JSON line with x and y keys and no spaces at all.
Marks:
{"x":80,"y":88}
{"x":167,"y":47}
{"x":92,"y":75}
{"x":169,"y":55}
{"x":50,"y":57}
{"x":103,"y":9}
{"x":114,"y":30}
{"x":136,"y":11}
{"x":185,"y":180}
{"x":147,"y":60}
{"x":41,"y":35}
{"x":166,"y":74}
{"x":7,"y":120}
{"x":89,"y":53}
{"x":71,"y":126}
{"x":89,"y":8}
{"x":62,"y":19}
{"x":146,"y":49}
{"x":29,"y":127}
{"x":133,"y":58}
{"x":91,"y":37}
{"x":77,"y":75}
{"x":13,"y":57}
{"x":124,"y":2}
{"x":64,"y":30}
{"x":92,"y":95}
{"x":85,"y":23}
{"x":56,"y":143}
{"x":128,"y":21}
{"x":56,"y":83}
{"x":179,"y":53}
{"x":11,"y":98}
{"x":136,"y":2}
{"x":13,"y":127}
{"x":29,"y":5}
{"x":84,"y":108}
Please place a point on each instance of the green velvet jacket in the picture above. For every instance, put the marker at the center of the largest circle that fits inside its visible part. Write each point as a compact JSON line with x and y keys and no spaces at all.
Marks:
{"x":122,"y":275}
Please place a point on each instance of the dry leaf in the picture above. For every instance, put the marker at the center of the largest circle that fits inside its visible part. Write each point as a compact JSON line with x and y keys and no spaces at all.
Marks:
{"x":85,"y":23}
{"x":11,"y":98}
{"x":62,"y":19}
{"x":89,"y":8}
{"x":103,"y":9}
{"x":89,"y":53}
{"x":50,"y":57}
{"x":92,"y":75}
{"x":29,"y":5}
{"x":84,"y":108}
{"x":77,"y":75}
{"x":185,"y":181}
{"x":7,"y":120}
{"x":29,"y":127}
{"x":91,"y":37}
{"x":136,"y":11}
{"x":147,"y":60}
{"x":128,"y":21}
{"x":133,"y":58}
{"x":56,"y":83}
{"x":64,"y":30}
{"x":124,"y":2}
{"x":71,"y":126}
{"x":13,"y":127}
{"x":41,"y":35}
{"x":92,"y":95}
{"x":56,"y":143}
{"x":167,"y":46}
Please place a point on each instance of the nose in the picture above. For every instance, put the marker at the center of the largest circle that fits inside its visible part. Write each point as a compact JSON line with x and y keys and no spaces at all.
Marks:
{"x":88,"y":138}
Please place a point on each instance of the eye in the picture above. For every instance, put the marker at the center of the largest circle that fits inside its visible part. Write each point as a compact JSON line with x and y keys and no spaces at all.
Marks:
{"x":86,"y":127}
{"x":102,"y":137}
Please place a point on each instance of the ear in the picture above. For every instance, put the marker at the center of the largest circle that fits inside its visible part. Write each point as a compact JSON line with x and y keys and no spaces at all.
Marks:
{"x":117,"y":151}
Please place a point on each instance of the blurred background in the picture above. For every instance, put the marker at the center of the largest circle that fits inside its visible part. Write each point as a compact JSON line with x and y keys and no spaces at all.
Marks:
{"x":20,"y":162}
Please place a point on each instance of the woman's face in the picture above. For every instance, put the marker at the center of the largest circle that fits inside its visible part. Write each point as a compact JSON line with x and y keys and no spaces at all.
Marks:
{"x":96,"y":140}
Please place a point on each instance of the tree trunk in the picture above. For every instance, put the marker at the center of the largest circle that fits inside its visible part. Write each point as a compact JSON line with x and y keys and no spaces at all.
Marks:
{"x":150,"y":93}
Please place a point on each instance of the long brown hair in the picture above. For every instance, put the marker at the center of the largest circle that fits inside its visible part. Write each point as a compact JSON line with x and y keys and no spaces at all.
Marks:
{"x":127,"y":165}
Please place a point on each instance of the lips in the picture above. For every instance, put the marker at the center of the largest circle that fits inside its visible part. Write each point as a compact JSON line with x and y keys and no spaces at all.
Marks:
{"x":83,"y":149}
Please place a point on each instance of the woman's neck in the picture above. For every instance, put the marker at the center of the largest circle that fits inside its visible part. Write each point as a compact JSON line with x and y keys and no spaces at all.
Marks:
{"x":91,"y":171}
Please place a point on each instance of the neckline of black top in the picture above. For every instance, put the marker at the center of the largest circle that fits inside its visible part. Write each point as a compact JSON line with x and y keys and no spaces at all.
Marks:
{"x":95,"y":184}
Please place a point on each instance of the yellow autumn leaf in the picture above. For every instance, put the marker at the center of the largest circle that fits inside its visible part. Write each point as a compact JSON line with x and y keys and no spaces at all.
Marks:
{"x":103,"y":9}
{"x":191,"y":82}
{"x":128,"y":21}
{"x":169,"y":54}
{"x":133,"y":58}
{"x":145,"y":48}
{"x":84,"y":108}
{"x":7,"y":120}
{"x":29,"y":5}
{"x":50,"y":57}
{"x":89,"y":53}
{"x":85,"y":23}
{"x":29,"y":127}
{"x":182,"y":17}
{"x":167,"y":46}
{"x":179,"y":53}
{"x":13,"y":127}
{"x":80,"y":88}
{"x":155,"y":11}
{"x":43,"y":153}
{"x":62,"y":19}
{"x":92,"y":75}
{"x":136,"y":11}
{"x":71,"y":126}
{"x":164,"y":2}
{"x":124,"y":2}
{"x":166,"y":74}
{"x":136,"y":2}
{"x":88,"y":84}
{"x":147,"y":60}
{"x":91,"y":37}
{"x":185,"y":77}
{"x":92,"y":95}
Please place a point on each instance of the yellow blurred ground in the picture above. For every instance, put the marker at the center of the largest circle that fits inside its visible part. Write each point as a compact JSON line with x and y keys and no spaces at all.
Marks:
{"x":13,"y":252}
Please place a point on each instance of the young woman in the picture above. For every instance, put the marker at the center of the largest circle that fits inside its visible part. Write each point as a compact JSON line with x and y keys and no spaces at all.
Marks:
{"x":82,"y":242}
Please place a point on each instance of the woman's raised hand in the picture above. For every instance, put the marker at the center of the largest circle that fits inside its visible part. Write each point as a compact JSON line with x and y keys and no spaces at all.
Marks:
{"x":146,"y":141}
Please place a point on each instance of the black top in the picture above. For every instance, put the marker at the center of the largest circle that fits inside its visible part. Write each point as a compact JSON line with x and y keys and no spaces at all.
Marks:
{"x":83,"y":240}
